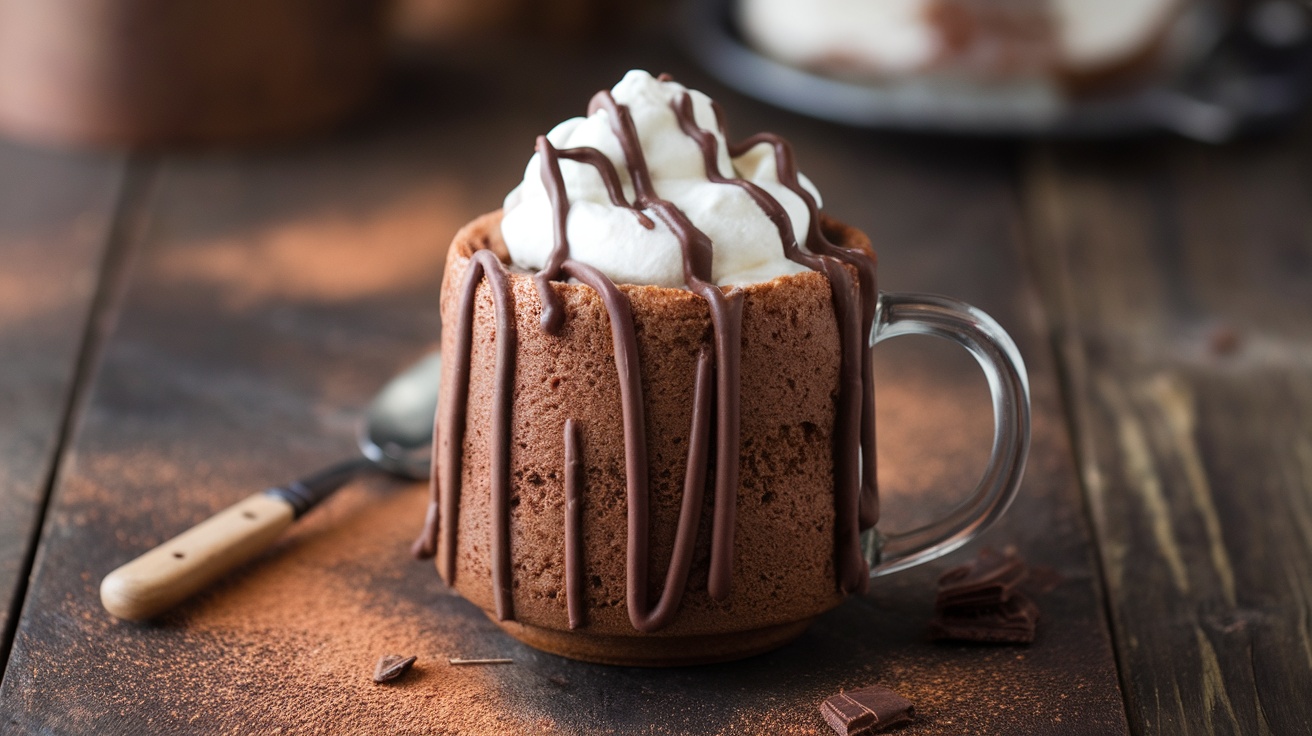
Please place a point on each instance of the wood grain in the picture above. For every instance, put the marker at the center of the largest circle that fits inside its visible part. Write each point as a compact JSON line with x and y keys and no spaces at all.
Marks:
{"x":55,"y":218}
{"x":274,"y":293}
{"x":1181,"y":280}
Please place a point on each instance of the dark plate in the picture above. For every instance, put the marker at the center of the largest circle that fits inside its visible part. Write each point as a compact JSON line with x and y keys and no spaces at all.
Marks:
{"x":1228,"y":80}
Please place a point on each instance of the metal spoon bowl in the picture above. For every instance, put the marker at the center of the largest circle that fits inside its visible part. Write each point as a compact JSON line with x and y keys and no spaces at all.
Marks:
{"x":397,"y":431}
{"x":396,"y":437}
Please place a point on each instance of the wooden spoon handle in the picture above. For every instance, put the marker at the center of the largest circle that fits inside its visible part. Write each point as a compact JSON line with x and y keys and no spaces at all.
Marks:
{"x":169,"y":573}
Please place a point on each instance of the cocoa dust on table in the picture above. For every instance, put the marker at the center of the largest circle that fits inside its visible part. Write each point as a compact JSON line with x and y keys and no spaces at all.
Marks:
{"x":291,"y":641}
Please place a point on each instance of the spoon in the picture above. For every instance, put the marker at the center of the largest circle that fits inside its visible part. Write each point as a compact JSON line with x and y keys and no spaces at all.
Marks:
{"x":396,"y":437}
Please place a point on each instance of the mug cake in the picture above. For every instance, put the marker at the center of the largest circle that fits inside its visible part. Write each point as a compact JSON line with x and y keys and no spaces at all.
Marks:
{"x":655,"y":441}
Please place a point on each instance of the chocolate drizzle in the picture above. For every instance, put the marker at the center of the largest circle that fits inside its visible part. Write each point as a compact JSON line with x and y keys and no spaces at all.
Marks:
{"x":717,"y":377}
{"x":852,"y":569}
{"x":574,"y":565}
{"x":451,"y":430}
{"x":864,"y":263}
{"x":553,"y":315}
{"x":726,"y":322}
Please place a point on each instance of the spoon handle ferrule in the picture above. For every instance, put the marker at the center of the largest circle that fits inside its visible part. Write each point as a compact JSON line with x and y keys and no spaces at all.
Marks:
{"x":304,"y":494}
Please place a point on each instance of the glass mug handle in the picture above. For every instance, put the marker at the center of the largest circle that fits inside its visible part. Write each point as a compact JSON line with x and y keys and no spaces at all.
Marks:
{"x":929,"y":314}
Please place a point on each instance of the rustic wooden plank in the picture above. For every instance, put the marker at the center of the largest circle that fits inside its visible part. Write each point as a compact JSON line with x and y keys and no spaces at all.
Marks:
{"x":274,"y":292}
{"x":1181,"y":278}
{"x":56,"y":213}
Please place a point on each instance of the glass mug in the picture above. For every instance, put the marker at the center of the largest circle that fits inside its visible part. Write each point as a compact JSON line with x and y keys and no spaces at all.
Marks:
{"x":512,"y":557}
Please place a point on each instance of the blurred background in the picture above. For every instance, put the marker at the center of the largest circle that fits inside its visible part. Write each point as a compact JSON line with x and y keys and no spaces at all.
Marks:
{"x":151,"y":72}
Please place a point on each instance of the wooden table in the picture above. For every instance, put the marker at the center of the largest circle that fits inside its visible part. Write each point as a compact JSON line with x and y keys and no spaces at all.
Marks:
{"x":178,"y":331}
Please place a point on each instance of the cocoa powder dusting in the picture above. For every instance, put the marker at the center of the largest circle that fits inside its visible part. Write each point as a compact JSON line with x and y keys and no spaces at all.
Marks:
{"x":285,"y":645}
{"x":321,"y":603}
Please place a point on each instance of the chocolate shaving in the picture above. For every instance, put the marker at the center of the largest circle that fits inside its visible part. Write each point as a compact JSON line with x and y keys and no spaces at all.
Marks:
{"x":868,"y":710}
{"x":981,"y":601}
{"x":392,"y":666}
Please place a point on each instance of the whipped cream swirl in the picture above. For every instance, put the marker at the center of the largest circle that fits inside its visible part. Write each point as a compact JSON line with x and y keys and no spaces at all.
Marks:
{"x":747,"y":246}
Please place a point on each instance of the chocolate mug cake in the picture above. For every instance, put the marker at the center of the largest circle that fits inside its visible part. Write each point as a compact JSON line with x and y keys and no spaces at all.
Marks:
{"x":655,"y":442}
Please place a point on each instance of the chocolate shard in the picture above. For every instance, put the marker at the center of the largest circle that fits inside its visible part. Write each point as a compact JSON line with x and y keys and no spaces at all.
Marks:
{"x":981,"y":601}
{"x":868,"y":710}
{"x":392,"y":666}
{"x":991,"y":577}
{"x":1009,"y":622}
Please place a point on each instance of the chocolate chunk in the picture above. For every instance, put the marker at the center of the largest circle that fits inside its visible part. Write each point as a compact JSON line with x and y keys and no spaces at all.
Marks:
{"x":1010,"y":622}
{"x":868,"y":710}
{"x":990,"y":578}
{"x":392,"y":666}
{"x":980,"y":601}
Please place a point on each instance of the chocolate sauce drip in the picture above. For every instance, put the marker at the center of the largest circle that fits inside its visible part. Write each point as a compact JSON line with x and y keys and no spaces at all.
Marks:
{"x":690,"y":510}
{"x":726,"y":319}
{"x":621,"y":124}
{"x":636,"y":466}
{"x":710,"y":148}
{"x":726,"y":323}
{"x":553,"y":314}
{"x":574,"y":564}
{"x":864,"y":263}
{"x":451,"y":431}
{"x":554,"y":182}
{"x":853,"y":572}
{"x":852,"y":568}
